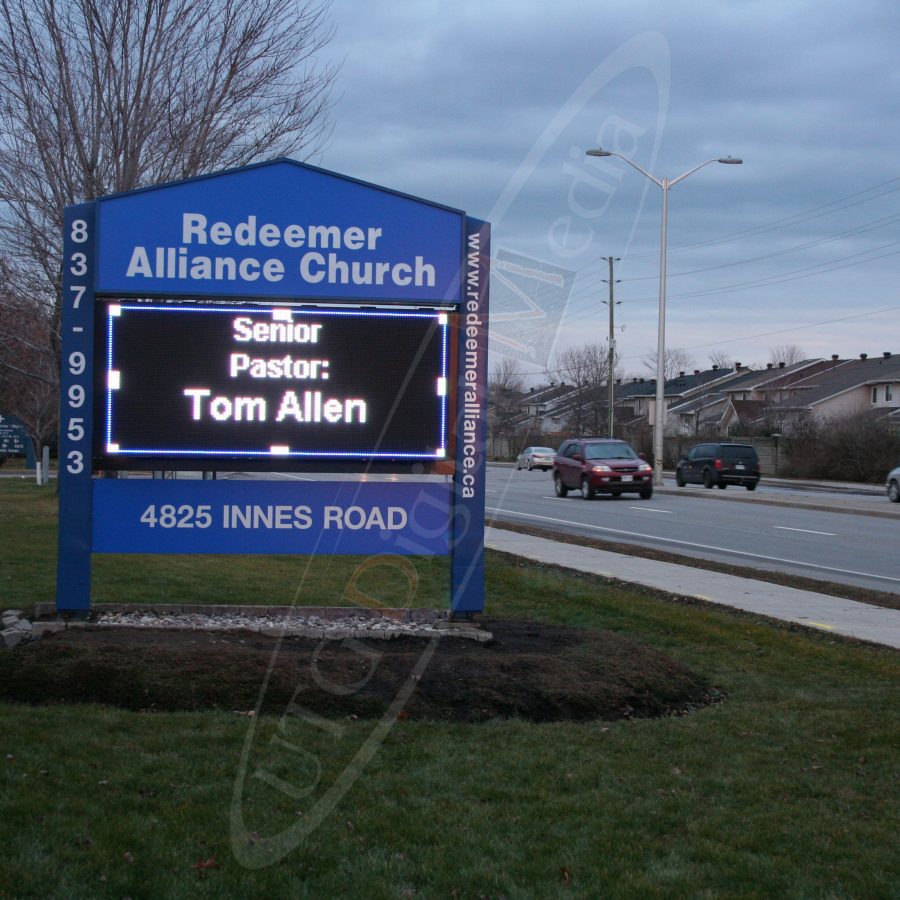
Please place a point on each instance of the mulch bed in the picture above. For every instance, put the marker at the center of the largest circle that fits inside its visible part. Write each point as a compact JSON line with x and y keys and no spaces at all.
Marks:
{"x":532,"y":671}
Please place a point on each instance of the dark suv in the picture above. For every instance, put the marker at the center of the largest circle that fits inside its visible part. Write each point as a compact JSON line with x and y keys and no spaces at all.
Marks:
{"x":600,"y":466}
{"x":720,"y":465}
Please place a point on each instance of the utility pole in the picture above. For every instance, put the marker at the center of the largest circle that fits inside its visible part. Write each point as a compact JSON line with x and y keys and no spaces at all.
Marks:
{"x":612,"y":345}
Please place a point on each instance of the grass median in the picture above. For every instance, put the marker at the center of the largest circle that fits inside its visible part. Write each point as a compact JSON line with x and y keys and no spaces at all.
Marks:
{"x":787,"y":788}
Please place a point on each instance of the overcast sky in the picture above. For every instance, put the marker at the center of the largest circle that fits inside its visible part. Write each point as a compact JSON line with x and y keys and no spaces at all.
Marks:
{"x":488,"y":106}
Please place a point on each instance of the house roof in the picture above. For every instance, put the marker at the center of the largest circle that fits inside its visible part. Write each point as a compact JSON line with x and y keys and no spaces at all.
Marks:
{"x":748,"y":410}
{"x":775,"y":377}
{"x":698,"y":402}
{"x":686,"y":383}
{"x":840,"y":377}
{"x":639,"y":387}
{"x":681,"y":385}
{"x":546,"y":394}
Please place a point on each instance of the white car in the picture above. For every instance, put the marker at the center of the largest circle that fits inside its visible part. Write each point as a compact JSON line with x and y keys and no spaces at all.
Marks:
{"x":893,"y":485}
{"x":536,"y":458}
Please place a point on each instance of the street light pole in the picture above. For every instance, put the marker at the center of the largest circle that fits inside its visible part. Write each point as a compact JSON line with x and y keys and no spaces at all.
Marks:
{"x":611,"y":361}
{"x":664,"y":184}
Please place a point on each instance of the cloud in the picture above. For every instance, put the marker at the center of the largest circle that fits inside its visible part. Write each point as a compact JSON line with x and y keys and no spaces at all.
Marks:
{"x":490,"y":107}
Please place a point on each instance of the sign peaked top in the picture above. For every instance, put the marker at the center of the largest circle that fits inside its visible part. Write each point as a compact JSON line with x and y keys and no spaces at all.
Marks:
{"x":278,"y":229}
{"x":285,"y":165}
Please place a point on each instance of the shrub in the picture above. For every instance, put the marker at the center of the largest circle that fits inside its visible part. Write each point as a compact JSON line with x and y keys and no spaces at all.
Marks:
{"x":852,"y":448}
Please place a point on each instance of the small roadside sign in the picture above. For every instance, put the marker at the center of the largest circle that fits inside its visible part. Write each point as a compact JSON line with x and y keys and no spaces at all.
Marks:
{"x":14,"y":440}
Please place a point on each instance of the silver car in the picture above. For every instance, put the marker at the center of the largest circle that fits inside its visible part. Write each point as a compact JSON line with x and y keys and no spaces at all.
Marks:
{"x":893,"y":485}
{"x":536,"y":458}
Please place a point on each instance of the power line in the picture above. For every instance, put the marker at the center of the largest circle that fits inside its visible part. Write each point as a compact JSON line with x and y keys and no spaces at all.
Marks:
{"x":750,"y":337}
{"x":806,"y":272}
{"x":587,"y":290}
{"x":585,"y":293}
{"x":859,"y":229}
{"x":816,"y":212}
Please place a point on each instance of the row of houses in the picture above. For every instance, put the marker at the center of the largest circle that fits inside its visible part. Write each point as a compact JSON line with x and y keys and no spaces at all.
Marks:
{"x":714,"y":402}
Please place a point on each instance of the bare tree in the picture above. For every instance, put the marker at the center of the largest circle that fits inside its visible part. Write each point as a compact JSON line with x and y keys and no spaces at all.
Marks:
{"x":676,"y":360}
{"x":586,"y":368}
{"x":722,"y":359}
{"x":506,"y":384}
{"x":28,"y":373}
{"x":789,"y":354}
{"x":98,"y":97}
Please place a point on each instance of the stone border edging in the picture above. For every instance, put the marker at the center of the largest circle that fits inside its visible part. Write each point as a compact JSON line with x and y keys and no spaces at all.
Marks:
{"x":314,"y":622}
{"x":398,"y":614}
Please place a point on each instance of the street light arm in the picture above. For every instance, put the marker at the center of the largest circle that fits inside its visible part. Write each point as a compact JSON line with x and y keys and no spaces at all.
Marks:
{"x":631,"y":163}
{"x":674,"y":181}
{"x":664,"y":183}
{"x":725,"y":160}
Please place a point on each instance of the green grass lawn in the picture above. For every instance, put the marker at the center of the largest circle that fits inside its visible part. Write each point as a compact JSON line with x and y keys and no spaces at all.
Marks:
{"x":787,"y":789}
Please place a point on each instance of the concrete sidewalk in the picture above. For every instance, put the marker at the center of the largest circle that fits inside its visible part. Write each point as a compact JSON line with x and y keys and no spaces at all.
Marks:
{"x":820,"y":611}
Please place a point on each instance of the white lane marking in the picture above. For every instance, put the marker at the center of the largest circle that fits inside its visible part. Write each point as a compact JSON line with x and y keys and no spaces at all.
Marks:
{"x":262,"y":476}
{"x":653,"y":509}
{"x":805,"y":530}
{"x":637,"y":534}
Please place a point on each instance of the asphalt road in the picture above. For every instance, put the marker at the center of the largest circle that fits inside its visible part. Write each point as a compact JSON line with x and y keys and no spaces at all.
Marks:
{"x":829,"y":535}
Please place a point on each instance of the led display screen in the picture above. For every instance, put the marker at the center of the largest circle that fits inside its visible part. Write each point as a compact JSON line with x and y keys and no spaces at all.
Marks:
{"x":207,"y":386}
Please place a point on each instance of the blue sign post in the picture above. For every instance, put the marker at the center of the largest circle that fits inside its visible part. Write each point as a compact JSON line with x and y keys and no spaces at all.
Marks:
{"x":467,"y":562}
{"x":76,"y":393}
{"x":274,"y":318}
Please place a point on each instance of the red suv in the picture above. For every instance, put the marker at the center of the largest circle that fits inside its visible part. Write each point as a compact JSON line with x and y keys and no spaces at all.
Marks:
{"x":601,"y":466}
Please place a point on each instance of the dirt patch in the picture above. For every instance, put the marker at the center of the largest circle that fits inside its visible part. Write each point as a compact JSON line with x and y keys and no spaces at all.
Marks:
{"x":532,"y":671}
